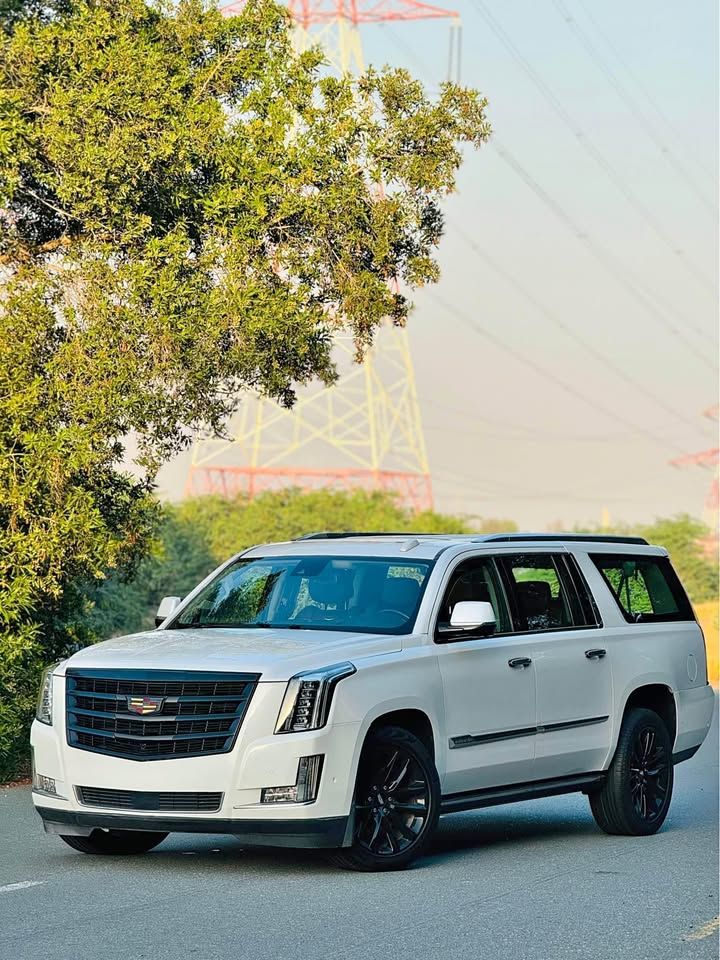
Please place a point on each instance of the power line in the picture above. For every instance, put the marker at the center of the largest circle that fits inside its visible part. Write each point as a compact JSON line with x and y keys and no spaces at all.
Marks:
{"x":578,"y":132}
{"x":505,"y":429}
{"x":667,"y":122}
{"x":630,"y":102}
{"x":572,"y":391}
{"x":570,"y":332}
{"x":464,"y":487}
{"x":603,"y":256}
{"x":646,"y":298}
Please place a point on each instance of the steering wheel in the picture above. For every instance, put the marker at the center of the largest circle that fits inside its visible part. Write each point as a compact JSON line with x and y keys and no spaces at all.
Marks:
{"x":398,"y":613}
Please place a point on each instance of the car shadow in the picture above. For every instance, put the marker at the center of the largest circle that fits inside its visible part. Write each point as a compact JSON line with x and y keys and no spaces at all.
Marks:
{"x":506,"y":827}
{"x":188,"y":854}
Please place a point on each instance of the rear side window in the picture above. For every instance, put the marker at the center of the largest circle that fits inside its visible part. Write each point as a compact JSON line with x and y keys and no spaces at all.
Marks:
{"x":543,"y":593}
{"x":646,"y":589}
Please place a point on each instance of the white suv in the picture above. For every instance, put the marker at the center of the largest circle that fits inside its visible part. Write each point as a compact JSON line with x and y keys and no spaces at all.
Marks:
{"x":344,"y":690}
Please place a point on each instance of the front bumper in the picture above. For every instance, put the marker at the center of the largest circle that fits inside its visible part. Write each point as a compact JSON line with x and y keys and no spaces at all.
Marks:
{"x":258,"y":759}
{"x":318,"y":833}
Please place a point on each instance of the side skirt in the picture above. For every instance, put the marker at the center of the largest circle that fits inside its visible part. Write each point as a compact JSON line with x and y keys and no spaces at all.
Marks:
{"x":513,"y":793}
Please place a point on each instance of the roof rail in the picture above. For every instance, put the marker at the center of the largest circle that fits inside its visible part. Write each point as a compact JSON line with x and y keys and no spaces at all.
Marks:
{"x":341,"y":535}
{"x":572,"y":537}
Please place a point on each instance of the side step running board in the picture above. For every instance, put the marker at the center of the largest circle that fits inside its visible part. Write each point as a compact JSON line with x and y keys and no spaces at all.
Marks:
{"x":454,"y":802}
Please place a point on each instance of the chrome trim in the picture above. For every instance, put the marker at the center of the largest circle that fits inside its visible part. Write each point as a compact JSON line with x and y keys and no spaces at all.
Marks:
{"x":474,"y":739}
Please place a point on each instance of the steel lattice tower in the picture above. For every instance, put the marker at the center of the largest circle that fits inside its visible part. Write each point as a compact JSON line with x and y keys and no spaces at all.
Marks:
{"x":710,"y":460}
{"x":366,"y":430}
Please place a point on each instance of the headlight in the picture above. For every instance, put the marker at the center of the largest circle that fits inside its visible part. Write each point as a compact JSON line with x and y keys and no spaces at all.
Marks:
{"x":307,"y":700}
{"x":43,"y":711}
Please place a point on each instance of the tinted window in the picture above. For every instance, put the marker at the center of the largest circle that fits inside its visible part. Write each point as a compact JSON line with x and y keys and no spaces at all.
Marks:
{"x":646,"y":589}
{"x":367,"y":595}
{"x":587,"y":612}
{"x":542,"y":593}
{"x":474,"y":579}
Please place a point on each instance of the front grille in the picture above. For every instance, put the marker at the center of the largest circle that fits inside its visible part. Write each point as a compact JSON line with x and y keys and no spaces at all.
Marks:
{"x":196,"y":713}
{"x":146,"y":800}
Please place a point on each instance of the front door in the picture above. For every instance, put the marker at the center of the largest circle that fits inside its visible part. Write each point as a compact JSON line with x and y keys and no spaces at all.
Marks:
{"x":489,"y":689}
{"x":549,"y":597}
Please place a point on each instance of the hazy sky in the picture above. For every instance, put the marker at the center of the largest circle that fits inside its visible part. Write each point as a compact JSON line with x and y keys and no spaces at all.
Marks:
{"x":549,"y":404}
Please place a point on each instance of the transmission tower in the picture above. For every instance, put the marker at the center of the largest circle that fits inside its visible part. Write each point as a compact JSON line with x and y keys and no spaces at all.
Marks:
{"x":366,"y":430}
{"x":709,"y":459}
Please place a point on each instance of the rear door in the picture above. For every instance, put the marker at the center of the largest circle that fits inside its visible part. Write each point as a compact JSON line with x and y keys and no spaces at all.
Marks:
{"x":488,"y":685}
{"x":551,"y":603}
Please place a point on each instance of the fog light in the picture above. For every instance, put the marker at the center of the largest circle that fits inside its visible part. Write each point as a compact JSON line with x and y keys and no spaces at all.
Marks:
{"x":279,"y":795}
{"x":43,"y":784}
{"x":305,"y":788}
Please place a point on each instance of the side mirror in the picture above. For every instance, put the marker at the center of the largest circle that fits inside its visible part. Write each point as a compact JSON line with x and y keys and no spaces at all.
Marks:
{"x":168,"y":606}
{"x":469,"y":614}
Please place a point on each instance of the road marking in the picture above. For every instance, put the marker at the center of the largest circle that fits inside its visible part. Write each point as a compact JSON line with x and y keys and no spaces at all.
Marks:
{"x":701,"y":933}
{"x":22,"y":885}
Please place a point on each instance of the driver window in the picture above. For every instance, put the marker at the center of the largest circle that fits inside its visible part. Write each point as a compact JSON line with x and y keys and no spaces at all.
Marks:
{"x":475,"y":579}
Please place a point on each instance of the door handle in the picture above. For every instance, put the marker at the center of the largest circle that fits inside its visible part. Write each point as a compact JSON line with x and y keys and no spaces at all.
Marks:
{"x":595,"y":654}
{"x":520,"y":662}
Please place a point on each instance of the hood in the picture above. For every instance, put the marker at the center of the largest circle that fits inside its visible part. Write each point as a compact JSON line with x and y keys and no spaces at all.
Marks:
{"x":276,"y":654}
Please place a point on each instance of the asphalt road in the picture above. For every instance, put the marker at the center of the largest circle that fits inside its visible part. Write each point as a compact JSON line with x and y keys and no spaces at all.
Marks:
{"x":530,"y":881}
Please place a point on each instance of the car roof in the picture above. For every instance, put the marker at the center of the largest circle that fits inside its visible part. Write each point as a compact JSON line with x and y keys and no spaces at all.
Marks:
{"x":430,"y":545}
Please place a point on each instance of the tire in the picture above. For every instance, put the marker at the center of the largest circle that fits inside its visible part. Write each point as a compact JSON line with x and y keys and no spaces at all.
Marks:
{"x":635,"y":797}
{"x":396,"y":804}
{"x":115,"y":842}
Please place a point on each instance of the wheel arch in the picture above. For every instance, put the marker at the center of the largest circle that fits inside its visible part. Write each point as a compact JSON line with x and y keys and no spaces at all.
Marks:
{"x":656,"y":696}
{"x":412,"y":719}
{"x":409,"y":713}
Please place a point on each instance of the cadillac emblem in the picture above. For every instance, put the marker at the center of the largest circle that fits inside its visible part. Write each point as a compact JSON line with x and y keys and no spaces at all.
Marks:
{"x":144,"y":705}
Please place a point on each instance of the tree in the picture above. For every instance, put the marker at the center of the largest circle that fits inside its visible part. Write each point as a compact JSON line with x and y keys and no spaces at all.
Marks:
{"x":187,"y":209}
{"x":682,"y":537}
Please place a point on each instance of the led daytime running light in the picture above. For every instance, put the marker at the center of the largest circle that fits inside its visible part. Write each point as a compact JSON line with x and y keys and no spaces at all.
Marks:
{"x":308,"y":697}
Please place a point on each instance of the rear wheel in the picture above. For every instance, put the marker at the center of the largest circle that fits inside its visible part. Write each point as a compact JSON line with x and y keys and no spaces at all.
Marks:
{"x":115,"y":842}
{"x":397,"y":803}
{"x":635,"y":798}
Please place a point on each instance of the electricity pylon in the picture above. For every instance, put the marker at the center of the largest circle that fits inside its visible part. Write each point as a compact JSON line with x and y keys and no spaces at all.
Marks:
{"x":366,"y":430}
{"x":708,"y":459}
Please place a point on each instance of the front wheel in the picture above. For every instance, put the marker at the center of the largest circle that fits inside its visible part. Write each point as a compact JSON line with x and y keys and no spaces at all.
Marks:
{"x":397,"y":803}
{"x":115,"y":842}
{"x":635,"y":798}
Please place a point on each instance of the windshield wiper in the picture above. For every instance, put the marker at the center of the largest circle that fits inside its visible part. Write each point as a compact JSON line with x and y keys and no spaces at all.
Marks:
{"x":261,"y":624}
{"x":206,"y":625}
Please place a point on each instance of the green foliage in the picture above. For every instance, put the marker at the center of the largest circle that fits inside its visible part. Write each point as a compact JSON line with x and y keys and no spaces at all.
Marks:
{"x":187,"y":209}
{"x":232,"y":525}
{"x":682,"y":536}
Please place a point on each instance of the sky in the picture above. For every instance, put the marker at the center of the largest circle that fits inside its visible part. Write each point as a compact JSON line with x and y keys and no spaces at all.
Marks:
{"x":570,"y":347}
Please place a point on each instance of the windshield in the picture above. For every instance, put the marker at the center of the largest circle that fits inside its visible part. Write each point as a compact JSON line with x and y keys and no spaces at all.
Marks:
{"x":364,"y":594}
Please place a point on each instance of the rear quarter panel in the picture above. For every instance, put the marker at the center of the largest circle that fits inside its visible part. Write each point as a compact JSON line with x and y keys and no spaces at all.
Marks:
{"x":670,"y":654}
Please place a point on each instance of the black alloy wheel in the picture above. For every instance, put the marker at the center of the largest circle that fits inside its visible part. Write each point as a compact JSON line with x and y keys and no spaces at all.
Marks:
{"x":635,"y":798}
{"x":397,"y":799}
{"x":649,"y":774}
